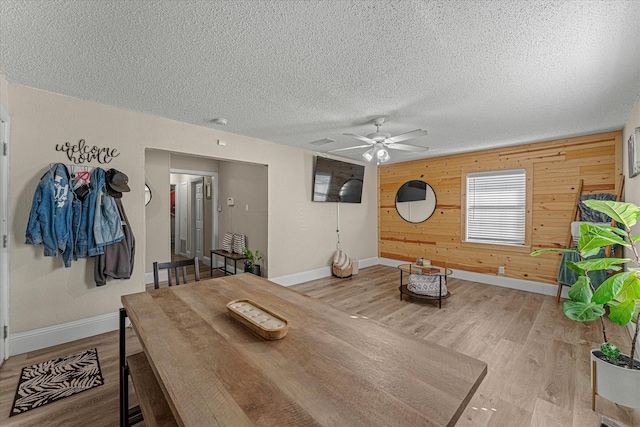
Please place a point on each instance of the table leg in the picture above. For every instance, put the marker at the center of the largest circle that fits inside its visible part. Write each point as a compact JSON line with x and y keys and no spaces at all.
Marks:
{"x":400,"y":285}
{"x":128,"y":417}
{"x":124,"y":379}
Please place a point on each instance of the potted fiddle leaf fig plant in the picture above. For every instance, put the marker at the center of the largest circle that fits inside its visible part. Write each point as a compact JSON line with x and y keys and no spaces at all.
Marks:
{"x":615,"y":376}
{"x":253,"y":258}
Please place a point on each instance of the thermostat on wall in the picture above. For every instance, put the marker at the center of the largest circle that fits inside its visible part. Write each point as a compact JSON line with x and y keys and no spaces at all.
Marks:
{"x":230,"y":201}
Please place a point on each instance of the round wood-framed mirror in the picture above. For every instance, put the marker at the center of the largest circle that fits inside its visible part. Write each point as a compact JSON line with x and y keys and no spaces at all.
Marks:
{"x":415,"y":201}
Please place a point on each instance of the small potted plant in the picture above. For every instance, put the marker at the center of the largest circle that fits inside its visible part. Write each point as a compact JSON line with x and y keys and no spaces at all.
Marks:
{"x":615,"y":376}
{"x":253,"y":258}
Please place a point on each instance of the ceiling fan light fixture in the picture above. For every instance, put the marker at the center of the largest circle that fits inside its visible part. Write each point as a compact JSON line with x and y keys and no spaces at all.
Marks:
{"x":383,"y":155}
{"x":368,"y":155}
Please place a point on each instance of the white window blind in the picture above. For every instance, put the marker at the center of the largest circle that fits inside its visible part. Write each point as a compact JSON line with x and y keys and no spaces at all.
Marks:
{"x":496,"y":207}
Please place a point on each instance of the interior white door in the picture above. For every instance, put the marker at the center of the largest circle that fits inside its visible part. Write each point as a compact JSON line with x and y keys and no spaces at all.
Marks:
{"x":199,"y":220}
{"x":4,"y":232}
{"x":182,"y":219}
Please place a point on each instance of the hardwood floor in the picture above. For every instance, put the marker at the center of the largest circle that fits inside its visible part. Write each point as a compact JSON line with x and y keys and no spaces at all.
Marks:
{"x":538,"y":360}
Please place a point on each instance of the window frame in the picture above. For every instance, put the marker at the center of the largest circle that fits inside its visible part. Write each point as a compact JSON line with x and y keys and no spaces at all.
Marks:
{"x":526,"y":247}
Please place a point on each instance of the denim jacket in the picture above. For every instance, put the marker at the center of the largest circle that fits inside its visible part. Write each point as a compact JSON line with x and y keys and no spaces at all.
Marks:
{"x":51,"y":214}
{"x":83,"y":210}
{"x":105,"y":222}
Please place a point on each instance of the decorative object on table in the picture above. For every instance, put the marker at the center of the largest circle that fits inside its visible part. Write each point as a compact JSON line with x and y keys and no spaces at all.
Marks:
{"x":634,"y":153}
{"x":614,"y":376}
{"x":239,"y":243}
{"x":55,"y":379}
{"x":253,"y":258}
{"x":428,"y":287}
{"x":259,"y":319}
{"x":341,"y":266}
{"x":424,"y":284}
{"x":227,"y":242}
{"x":415,"y":201}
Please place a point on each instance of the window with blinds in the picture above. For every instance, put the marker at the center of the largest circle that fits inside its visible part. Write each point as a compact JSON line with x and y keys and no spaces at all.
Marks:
{"x":496,"y":207}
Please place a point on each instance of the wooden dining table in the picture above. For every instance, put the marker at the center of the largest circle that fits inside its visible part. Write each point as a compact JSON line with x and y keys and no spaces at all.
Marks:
{"x":332,"y":368}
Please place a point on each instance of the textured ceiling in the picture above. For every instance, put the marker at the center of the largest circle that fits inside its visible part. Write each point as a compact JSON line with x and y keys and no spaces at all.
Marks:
{"x":475,"y":74}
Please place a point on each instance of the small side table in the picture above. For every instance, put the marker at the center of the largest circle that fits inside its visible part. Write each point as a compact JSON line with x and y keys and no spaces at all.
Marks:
{"x":440,"y":272}
{"x":227,"y":256}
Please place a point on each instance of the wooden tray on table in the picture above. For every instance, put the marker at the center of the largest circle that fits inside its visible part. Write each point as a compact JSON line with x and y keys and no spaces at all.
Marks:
{"x":259,"y":319}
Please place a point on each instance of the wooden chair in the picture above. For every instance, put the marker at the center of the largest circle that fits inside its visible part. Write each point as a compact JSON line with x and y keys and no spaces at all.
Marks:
{"x":173,"y":268}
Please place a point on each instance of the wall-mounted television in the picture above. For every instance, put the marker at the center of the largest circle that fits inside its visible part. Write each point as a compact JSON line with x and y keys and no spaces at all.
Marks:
{"x":337,"y":181}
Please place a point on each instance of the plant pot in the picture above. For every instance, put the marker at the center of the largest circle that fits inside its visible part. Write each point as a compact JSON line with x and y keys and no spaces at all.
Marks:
{"x":255,"y":270}
{"x":615,"y":383}
{"x":247,"y":268}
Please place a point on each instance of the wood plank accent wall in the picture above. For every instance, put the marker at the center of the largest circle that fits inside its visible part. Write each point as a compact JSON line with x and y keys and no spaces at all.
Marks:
{"x":554,"y":169}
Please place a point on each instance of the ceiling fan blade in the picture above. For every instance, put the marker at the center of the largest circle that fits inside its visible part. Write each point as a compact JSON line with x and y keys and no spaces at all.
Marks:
{"x":404,"y":136}
{"x":349,"y":148}
{"x":406,"y":147}
{"x":361,"y":138}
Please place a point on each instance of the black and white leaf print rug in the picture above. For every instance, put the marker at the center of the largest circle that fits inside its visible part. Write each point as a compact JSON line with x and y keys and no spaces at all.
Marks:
{"x":56,"y":379}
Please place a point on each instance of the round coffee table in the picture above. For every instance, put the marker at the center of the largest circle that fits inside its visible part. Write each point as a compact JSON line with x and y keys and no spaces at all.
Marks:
{"x":440,"y":272}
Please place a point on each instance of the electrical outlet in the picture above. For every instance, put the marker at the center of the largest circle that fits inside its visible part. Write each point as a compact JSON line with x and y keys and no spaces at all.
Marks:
{"x":501,"y":269}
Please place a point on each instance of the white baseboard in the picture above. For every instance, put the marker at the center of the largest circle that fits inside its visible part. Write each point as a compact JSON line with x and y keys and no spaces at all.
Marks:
{"x":507,"y":282}
{"x":306,"y":276}
{"x":490,"y":279}
{"x":37,"y":339}
{"x":24,"y":342}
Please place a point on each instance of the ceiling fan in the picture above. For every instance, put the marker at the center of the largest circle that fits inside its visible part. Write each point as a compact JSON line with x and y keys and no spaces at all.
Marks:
{"x":378,"y":143}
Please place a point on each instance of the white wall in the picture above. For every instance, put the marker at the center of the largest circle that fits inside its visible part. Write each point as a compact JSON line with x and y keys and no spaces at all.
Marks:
{"x":43,"y":293}
{"x":157,"y":212}
{"x":248,"y":185}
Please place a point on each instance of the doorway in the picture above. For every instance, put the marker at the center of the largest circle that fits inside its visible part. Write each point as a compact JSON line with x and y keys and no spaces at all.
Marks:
{"x":4,"y":233}
{"x":196,"y":213}
{"x":197,"y":217}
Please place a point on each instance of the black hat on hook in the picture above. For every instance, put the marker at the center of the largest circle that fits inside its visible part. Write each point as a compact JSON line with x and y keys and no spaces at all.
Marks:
{"x":117,"y":183}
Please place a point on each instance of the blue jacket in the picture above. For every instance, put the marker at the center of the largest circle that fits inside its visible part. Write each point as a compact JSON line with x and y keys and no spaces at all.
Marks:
{"x":83,"y":210}
{"x":51,"y":214}
{"x":105,"y":221}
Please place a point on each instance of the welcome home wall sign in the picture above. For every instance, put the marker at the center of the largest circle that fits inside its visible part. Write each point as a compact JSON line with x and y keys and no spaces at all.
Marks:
{"x":81,"y":152}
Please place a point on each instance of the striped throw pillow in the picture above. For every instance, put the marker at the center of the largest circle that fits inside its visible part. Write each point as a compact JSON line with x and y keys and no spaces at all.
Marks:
{"x":227,"y":242}
{"x":239,"y":243}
